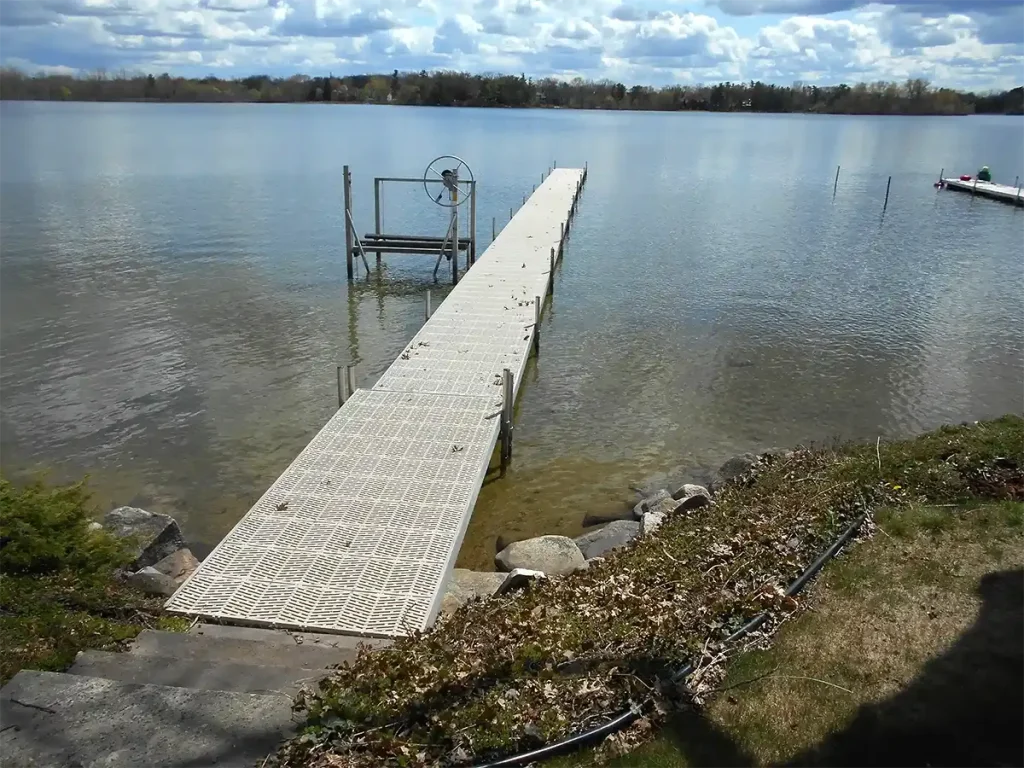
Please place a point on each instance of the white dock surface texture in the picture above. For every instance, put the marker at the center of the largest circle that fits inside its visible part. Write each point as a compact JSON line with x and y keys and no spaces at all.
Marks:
{"x":359,"y":534}
{"x":988,"y":189}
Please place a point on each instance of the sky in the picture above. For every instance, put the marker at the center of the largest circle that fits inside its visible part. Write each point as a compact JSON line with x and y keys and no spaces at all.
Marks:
{"x":969,"y":44}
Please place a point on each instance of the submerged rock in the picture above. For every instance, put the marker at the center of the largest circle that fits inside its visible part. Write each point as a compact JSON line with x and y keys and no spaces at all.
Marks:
{"x":466,"y":585}
{"x":735,"y":467}
{"x":151,"y":537}
{"x":554,"y":555}
{"x":613,"y":536}
{"x":649,"y":503}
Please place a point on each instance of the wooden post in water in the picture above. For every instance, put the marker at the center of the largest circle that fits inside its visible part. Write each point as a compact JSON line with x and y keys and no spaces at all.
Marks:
{"x":376,"y":213}
{"x":886,"y":203}
{"x":536,"y":325}
{"x":347,"y":186}
{"x":836,"y":185}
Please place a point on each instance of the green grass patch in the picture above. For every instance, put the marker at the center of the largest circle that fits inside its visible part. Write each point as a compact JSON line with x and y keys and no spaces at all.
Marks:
{"x":58,"y":593}
{"x":505,"y":675}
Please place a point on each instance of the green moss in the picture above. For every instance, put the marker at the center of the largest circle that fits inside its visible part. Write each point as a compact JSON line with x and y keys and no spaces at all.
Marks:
{"x":58,"y":595}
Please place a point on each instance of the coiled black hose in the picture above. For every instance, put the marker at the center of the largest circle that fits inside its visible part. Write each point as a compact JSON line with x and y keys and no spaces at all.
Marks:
{"x":628,"y":716}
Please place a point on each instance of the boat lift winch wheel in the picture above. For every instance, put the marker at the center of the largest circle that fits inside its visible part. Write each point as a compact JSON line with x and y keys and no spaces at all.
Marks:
{"x":448,"y":169}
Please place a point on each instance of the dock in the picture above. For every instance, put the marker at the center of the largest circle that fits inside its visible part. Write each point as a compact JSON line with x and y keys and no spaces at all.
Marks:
{"x":989,"y":189}
{"x":360,"y":533}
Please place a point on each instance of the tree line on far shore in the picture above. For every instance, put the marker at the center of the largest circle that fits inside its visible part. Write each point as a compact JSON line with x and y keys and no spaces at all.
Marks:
{"x":445,"y":88}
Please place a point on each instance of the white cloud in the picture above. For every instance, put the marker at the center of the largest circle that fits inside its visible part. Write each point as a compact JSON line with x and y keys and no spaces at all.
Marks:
{"x":961,"y":43}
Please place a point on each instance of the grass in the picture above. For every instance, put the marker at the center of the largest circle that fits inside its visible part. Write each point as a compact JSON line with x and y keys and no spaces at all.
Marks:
{"x":504,"y":675}
{"x":911,"y":653}
{"x":58,"y":593}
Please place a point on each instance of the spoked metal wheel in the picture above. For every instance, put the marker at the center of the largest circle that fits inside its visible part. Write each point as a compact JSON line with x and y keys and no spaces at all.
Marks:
{"x":448,"y":172}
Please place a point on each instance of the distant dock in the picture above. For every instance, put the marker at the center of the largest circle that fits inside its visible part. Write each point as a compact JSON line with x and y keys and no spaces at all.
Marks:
{"x":359,"y":535}
{"x":1002,"y":192}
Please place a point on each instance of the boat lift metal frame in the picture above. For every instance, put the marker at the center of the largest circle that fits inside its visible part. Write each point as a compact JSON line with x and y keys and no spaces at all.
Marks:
{"x":380,"y":242}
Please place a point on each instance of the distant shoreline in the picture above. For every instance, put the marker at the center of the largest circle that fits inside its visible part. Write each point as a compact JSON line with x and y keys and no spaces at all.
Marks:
{"x":461,"y":89}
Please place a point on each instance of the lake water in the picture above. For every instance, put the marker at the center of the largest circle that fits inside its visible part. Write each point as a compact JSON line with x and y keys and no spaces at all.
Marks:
{"x":174,"y":300}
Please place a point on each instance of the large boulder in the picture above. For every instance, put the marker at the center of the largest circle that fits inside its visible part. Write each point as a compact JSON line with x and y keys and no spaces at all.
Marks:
{"x":554,"y":555}
{"x":151,"y":582}
{"x":178,"y":565}
{"x":613,"y":536}
{"x":151,"y":537}
{"x":466,"y":585}
{"x":734,"y":468}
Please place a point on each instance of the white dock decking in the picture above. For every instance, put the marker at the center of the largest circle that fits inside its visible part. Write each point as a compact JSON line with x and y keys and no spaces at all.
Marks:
{"x":361,"y":531}
{"x":988,"y":189}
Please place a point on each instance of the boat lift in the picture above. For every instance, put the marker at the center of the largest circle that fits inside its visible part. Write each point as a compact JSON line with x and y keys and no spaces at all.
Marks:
{"x":448,"y":182}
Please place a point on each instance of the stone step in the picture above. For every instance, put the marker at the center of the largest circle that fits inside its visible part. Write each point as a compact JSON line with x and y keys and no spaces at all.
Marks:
{"x":66,"y":721}
{"x":192,"y":673}
{"x":265,"y":651}
{"x":287,"y":637}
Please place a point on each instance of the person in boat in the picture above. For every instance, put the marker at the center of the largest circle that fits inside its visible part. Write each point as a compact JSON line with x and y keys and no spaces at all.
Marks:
{"x":984,"y":174}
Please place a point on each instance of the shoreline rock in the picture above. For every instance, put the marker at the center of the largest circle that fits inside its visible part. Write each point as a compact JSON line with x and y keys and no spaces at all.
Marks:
{"x":466,"y":585}
{"x":554,"y":555}
{"x":617,"y":534}
{"x":150,"y":536}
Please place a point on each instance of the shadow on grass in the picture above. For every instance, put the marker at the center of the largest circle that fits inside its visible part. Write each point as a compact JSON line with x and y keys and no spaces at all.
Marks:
{"x":965,"y":708}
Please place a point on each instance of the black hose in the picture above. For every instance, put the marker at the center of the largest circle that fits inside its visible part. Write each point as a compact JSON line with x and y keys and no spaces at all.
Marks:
{"x":628,"y":716}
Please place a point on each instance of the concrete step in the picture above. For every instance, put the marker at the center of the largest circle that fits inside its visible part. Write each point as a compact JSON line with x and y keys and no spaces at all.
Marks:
{"x":190,"y":673}
{"x":268,"y":650}
{"x":70,"y":721}
{"x":287,"y":637}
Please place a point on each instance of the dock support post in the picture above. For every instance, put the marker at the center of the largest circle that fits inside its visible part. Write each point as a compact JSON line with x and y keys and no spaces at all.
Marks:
{"x":536,"y":325}
{"x":350,"y":378}
{"x":471,"y":256}
{"x":886,"y":203}
{"x":341,"y":389}
{"x":942,"y":173}
{"x":561,"y":232}
{"x":506,"y":419}
{"x":511,"y":213}
{"x":836,"y":185}
{"x":494,"y":228}
{"x":555,"y":164}
{"x":534,"y":189}
{"x":524,"y":199}
{"x":376,"y":213}
{"x":426,"y":307}
{"x":551,"y":274}
{"x":347,"y":185}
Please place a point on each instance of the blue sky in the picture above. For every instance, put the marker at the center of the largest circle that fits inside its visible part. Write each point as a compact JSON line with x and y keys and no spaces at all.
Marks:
{"x":974,"y":44}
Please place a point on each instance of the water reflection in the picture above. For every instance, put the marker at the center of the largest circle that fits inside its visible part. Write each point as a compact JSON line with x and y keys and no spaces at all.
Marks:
{"x":171,"y":321}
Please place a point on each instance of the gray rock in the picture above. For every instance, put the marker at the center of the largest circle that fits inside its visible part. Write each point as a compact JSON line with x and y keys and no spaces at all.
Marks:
{"x":519,"y":578}
{"x":590,"y":520}
{"x":94,"y":526}
{"x":613,"y":536}
{"x":735,"y":467}
{"x":151,"y":536}
{"x":651,"y":501}
{"x":178,"y":565}
{"x":691,"y":497}
{"x":554,"y":555}
{"x":466,"y":585}
{"x":150,"y":581}
{"x":651,"y":521}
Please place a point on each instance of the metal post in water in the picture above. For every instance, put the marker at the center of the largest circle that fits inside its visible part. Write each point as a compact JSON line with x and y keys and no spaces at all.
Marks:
{"x":471,"y":256}
{"x":341,"y":394}
{"x":942,"y":173}
{"x":376,"y":213}
{"x":536,"y":325}
{"x":455,"y":231}
{"x":551,"y":274}
{"x":347,"y":186}
{"x":350,"y":377}
{"x":506,"y":419}
{"x":524,"y":199}
{"x":555,"y":164}
{"x":561,"y":231}
{"x":494,"y":228}
{"x":886,"y":203}
{"x":426,"y":307}
{"x":836,"y":185}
